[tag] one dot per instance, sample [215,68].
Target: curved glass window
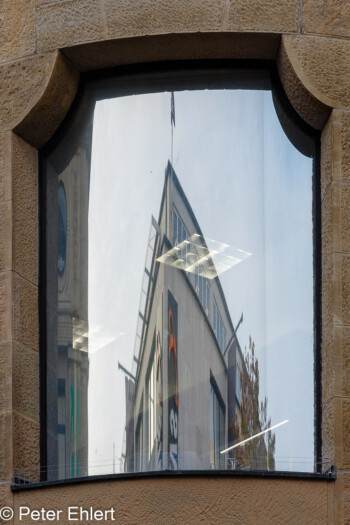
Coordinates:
[179,281]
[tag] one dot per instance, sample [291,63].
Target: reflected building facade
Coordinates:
[183,397]
[67,186]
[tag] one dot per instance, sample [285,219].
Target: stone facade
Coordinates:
[44,46]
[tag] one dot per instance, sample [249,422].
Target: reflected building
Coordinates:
[67,186]
[184,394]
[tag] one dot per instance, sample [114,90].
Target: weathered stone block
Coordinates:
[19,209]
[5,377]
[330,502]
[326,17]
[5,306]
[17,29]
[6,498]
[74,21]
[337,516]
[332,434]
[345,218]
[307,106]
[346,482]
[336,167]
[344,291]
[263,15]
[147,17]
[336,364]
[322,65]
[335,291]
[51,102]
[2,165]
[336,219]
[24,175]
[25,313]
[327,155]
[6,449]
[345,464]
[335,156]
[5,218]
[329,223]
[345,346]
[328,437]
[25,381]
[331,363]
[24,208]
[25,244]
[5,236]
[20,81]
[26,454]
[344,146]
[327,295]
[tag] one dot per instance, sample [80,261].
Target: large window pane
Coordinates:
[180,294]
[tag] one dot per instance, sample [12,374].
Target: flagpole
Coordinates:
[171,181]
[172,143]
[172,121]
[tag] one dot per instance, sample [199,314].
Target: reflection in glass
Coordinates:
[179,288]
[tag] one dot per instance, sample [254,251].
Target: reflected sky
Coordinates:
[249,188]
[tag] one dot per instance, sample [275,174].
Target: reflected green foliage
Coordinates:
[259,453]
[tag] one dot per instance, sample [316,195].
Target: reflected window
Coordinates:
[179,231]
[217,428]
[179,279]
[219,328]
[150,411]
[202,289]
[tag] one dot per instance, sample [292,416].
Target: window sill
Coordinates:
[328,476]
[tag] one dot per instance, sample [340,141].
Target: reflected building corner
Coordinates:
[184,395]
